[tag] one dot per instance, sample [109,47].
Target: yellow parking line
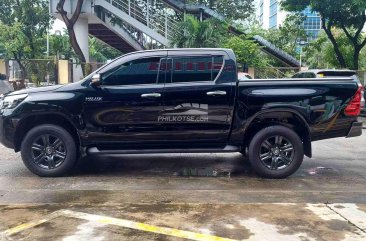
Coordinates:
[25,226]
[121,223]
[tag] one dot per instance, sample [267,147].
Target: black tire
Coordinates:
[266,156]
[64,155]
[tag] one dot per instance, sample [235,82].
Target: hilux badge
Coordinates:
[93,99]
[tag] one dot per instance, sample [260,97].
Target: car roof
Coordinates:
[317,71]
[185,50]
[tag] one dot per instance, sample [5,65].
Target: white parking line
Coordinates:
[352,213]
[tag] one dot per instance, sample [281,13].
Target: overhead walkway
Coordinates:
[130,25]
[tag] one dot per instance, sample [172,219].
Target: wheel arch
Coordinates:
[285,117]
[31,121]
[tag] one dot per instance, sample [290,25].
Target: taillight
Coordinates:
[354,106]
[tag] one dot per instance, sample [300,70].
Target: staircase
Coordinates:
[130,25]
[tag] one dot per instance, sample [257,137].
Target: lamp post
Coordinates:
[301,43]
[58,34]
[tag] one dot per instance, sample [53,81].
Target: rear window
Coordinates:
[350,74]
[303,75]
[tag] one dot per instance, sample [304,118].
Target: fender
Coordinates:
[27,122]
[306,138]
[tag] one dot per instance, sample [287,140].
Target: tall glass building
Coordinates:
[312,23]
[273,13]
[271,16]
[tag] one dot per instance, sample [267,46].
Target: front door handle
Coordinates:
[151,95]
[216,93]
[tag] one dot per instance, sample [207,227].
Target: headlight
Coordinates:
[12,101]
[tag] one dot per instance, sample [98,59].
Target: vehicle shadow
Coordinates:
[185,164]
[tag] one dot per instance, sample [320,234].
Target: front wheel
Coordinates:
[276,152]
[49,151]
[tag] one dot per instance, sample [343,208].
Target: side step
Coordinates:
[96,151]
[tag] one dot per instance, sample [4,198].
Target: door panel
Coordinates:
[131,99]
[198,99]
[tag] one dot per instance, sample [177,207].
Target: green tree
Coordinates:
[247,51]
[349,16]
[320,53]
[101,52]
[287,36]
[23,25]
[192,33]
[231,9]
[60,46]
[98,51]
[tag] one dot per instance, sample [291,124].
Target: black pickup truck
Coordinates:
[178,100]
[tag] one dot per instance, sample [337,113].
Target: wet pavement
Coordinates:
[188,197]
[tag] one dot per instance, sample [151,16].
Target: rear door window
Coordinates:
[196,68]
[309,75]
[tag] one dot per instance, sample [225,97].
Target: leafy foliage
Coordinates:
[247,51]
[19,45]
[349,16]
[320,53]
[191,33]
[60,46]
[101,52]
[287,36]
[25,21]
[98,51]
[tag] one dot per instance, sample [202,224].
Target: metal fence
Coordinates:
[275,73]
[40,72]
[36,71]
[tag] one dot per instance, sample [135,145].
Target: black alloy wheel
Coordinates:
[276,152]
[49,151]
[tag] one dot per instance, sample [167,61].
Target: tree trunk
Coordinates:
[339,55]
[75,45]
[356,58]
[21,84]
[70,22]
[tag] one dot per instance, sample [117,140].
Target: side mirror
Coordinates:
[95,80]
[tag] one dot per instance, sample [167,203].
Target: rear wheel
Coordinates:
[49,151]
[276,152]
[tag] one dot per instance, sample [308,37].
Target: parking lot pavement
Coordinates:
[363,119]
[188,197]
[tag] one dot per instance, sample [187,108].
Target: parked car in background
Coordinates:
[331,73]
[244,76]
[31,85]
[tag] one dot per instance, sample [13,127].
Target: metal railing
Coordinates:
[154,14]
[275,72]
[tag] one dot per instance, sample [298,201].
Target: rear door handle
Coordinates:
[151,95]
[216,93]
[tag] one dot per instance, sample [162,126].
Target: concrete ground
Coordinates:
[188,197]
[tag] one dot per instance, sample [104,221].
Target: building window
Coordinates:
[312,23]
[273,10]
